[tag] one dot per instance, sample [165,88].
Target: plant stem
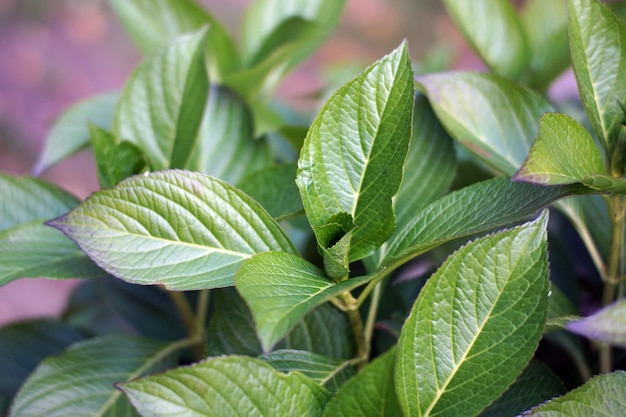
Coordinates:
[189,320]
[201,311]
[371,314]
[356,323]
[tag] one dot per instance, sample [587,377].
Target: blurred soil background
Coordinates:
[54,53]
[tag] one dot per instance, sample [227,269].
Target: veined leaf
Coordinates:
[563,153]
[607,325]
[231,386]
[80,381]
[70,133]
[226,147]
[330,373]
[495,118]
[281,288]
[535,385]
[604,395]
[597,39]
[177,228]
[475,324]
[473,209]
[115,161]
[352,158]
[163,103]
[494,32]
[370,394]
[23,199]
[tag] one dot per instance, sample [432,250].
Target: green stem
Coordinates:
[189,320]
[356,323]
[371,314]
[201,311]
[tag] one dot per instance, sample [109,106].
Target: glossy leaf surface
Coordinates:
[236,386]
[180,229]
[475,324]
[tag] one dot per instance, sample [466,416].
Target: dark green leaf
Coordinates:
[475,324]
[80,381]
[607,325]
[494,32]
[353,155]
[180,229]
[70,132]
[370,394]
[163,103]
[604,395]
[236,386]
[560,310]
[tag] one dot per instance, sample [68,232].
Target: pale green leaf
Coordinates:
[236,386]
[535,385]
[330,373]
[353,156]
[181,229]
[70,132]
[370,394]
[34,250]
[163,103]
[598,44]
[281,288]
[80,381]
[494,32]
[604,395]
[545,27]
[115,161]
[226,147]
[607,325]
[563,153]
[475,324]
[495,118]
[23,199]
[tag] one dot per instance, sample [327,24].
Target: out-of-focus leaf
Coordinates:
[607,325]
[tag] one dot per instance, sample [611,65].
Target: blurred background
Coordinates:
[55,53]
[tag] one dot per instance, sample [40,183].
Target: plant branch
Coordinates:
[356,323]
[189,319]
[371,314]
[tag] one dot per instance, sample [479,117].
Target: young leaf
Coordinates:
[281,288]
[163,103]
[230,386]
[180,229]
[535,385]
[370,394]
[115,161]
[494,32]
[80,381]
[70,132]
[352,158]
[563,153]
[25,199]
[495,118]
[475,324]
[607,325]
[226,147]
[597,40]
[330,373]
[604,395]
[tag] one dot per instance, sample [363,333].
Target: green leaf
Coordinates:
[281,288]
[181,229]
[234,386]
[534,386]
[163,103]
[352,158]
[495,118]
[494,32]
[225,146]
[25,199]
[560,310]
[371,393]
[80,381]
[475,324]
[597,40]
[606,183]
[115,161]
[545,27]
[275,188]
[473,209]
[563,153]
[602,395]
[70,132]
[330,373]
[606,325]
[23,345]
